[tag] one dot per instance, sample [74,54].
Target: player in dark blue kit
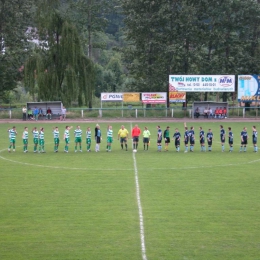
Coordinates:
[186,139]
[159,139]
[210,140]
[192,138]
[202,140]
[254,138]
[244,137]
[177,138]
[230,139]
[222,137]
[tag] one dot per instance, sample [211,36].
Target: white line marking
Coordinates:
[141,218]
[113,169]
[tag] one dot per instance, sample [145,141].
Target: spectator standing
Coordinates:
[63,113]
[36,113]
[40,112]
[24,113]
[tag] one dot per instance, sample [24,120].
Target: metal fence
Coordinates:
[74,113]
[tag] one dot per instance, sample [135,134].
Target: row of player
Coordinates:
[123,135]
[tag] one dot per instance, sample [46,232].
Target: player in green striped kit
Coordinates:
[12,136]
[25,140]
[67,138]
[56,136]
[41,140]
[109,138]
[35,133]
[78,138]
[88,139]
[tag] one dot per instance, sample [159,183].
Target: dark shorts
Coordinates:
[177,142]
[167,140]
[254,140]
[210,142]
[135,139]
[159,141]
[98,139]
[123,140]
[186,142]
[192,141]
[202,140]
[222,140]
[244,142]
[145,140]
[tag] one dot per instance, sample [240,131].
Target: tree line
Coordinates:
[76,49]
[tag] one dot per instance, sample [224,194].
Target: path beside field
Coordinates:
[129,120]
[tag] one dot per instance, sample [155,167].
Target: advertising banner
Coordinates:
[177,97]
[202,83]
[248,88]
[111,96]
[154,98]
[131,97]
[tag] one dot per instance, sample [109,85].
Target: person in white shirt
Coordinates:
[63,113]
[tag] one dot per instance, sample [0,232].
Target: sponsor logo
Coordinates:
[171,87]
[177,95]
[245,78]
[153,96]
[115,96]
[225,81]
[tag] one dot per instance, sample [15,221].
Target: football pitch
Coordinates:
[122,205]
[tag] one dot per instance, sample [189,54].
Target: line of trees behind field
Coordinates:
[72,50]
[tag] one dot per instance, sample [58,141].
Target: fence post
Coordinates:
[244,110]
[136,113]
[82,115]
[10,113]
[172,112]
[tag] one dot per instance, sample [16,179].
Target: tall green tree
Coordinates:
[189,37]
[15,17]
[58,69]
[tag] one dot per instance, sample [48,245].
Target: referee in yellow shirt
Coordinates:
[123,135]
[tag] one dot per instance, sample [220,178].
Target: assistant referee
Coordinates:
[123,135]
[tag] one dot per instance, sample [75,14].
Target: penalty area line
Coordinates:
[140,210]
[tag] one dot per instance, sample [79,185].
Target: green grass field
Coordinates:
[201,206]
